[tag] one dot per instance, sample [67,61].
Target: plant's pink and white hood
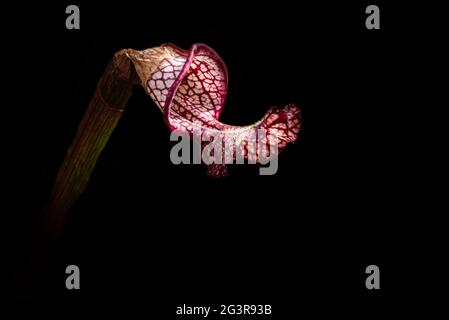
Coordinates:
[190,88]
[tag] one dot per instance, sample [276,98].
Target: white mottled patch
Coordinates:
[205,98]
[169,82]
[157,75]
[169,75]
[160,84]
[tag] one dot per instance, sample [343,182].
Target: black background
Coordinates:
[149,236]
